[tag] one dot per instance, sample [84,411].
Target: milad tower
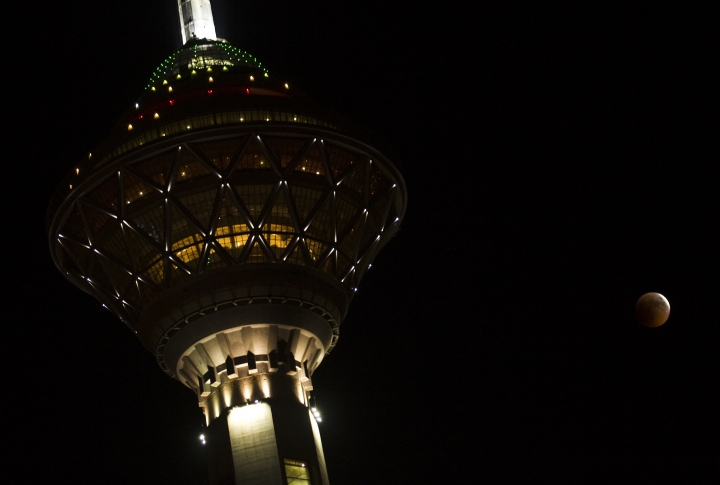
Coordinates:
[227,220]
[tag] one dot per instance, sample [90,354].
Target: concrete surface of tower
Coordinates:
[227,220]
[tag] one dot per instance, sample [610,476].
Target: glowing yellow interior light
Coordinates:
[266,74]
[286,86]
[169,89]
[179,76]
[225,68]
[209,69]
[156,116]
[164,81]
[193,72]
[129,127]
[141,192]
[153,88]
[89,156]
[188,127]
[77,171]
[210,79]
[70,186]
[252,78]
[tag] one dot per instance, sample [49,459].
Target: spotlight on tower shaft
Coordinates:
[230,233]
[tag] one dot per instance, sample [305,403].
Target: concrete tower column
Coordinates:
[268,441]
[250,362]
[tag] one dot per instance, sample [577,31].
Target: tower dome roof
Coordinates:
[201,54]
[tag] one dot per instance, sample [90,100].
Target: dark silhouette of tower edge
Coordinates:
[227,220]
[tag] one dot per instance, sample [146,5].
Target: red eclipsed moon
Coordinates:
[652,309]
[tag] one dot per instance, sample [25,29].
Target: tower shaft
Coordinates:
[268,441]
[252,378]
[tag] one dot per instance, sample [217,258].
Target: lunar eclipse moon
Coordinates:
[652,309]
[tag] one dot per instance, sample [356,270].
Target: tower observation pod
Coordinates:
[227,220]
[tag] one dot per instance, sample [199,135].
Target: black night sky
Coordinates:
[558,166]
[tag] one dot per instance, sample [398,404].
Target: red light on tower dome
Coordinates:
[209,91]
[247,90]
[172,102]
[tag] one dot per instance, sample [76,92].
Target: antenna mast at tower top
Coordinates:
[196,20]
